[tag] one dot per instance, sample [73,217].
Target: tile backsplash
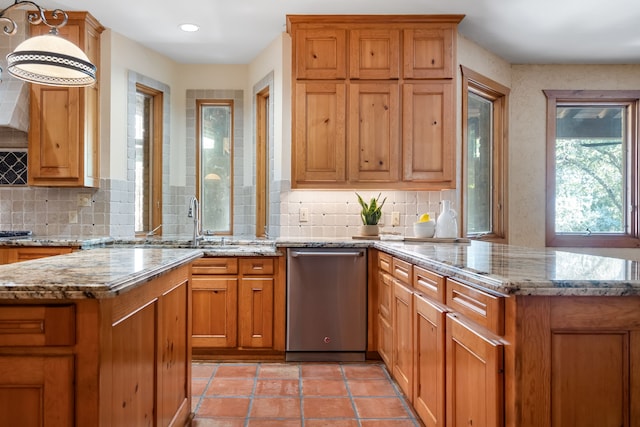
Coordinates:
[337,213]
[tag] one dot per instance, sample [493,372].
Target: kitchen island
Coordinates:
[97,338]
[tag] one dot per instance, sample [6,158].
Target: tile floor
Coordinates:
[297,395]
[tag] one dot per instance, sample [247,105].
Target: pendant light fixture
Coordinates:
[47,59]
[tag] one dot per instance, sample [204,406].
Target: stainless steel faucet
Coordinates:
[194,212]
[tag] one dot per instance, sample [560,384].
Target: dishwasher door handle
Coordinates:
[297,254]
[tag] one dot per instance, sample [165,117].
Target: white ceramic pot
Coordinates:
[424,229]
[369,230]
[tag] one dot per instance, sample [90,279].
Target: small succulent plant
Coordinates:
[372,212]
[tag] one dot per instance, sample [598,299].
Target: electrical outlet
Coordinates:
[395,218]
[84,199]
[304,215]
[73,217]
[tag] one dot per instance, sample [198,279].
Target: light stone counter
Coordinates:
[97,273]
[89,242]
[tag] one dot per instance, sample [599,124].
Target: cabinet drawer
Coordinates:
[402,271]
[262,266]
[429,283]
[482,307]
[384,262]
[215,265]
[22,325]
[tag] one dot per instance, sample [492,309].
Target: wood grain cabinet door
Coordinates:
[474,375]
[37,391]
[255,312]
[429,348]
[428,52]
[374,54]
[374,132]
[385,330]
[321,53]
[403,338]
[320,133]
[215,308]
[428,146]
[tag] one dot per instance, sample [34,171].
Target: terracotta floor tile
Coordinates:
[230,387]
[389,423]
[275,407]
[270,422]
[331,422]
[371,388]
[327,407]
[198,385]
[380,407]
[223,407]
[202,370]
[372,371]
[278,370]
[325,371]
[271,387]
[217,422]
[319,387]
[236,370]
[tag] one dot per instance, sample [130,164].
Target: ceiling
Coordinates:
[519,31]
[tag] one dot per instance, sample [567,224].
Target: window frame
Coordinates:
[156,141]
[215,102]
[476,83]
[632,185]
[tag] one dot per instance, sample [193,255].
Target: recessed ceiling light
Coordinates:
[189,28]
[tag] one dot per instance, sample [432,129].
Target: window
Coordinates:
[148,160]
[484,118]
[592,163]
[215,165]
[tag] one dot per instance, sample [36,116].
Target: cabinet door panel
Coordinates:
[429,345]
[474,365]
[320,139]
[596,399]
[215,302]
[403,338]
[374,54]
[374,132]
[385,342]
[321,53]
[256,313]
[36,391]
[428,145]
[428,53]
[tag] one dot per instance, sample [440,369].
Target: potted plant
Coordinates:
[370,215]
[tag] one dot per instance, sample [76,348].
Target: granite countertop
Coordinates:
[88,242]
[98,273]
[514,270]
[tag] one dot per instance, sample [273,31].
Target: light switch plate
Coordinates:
[395,218]
[304,215]
[73,217]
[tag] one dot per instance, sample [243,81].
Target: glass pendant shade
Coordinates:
[51,60]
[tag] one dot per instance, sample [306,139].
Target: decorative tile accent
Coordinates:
[13,168]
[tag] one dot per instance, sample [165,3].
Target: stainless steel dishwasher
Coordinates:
[326,304]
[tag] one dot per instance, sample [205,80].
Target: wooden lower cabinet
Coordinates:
[26,253]
[238,306]
[36,390]
[403,338]
[121,361]
[429,367]
[474,389]
[385,328]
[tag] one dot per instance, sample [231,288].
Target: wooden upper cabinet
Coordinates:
[428,143]
[374,54]
[320,147]
[374,132]
[428,53]
[64,122]
[321,54]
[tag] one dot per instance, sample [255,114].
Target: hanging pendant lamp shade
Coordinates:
[51,60]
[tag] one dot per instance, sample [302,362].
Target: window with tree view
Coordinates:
[592,167]
[215,165]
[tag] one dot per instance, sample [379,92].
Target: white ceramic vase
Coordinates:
[369,230]
[447,224]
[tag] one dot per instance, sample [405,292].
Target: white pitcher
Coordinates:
[447,224]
